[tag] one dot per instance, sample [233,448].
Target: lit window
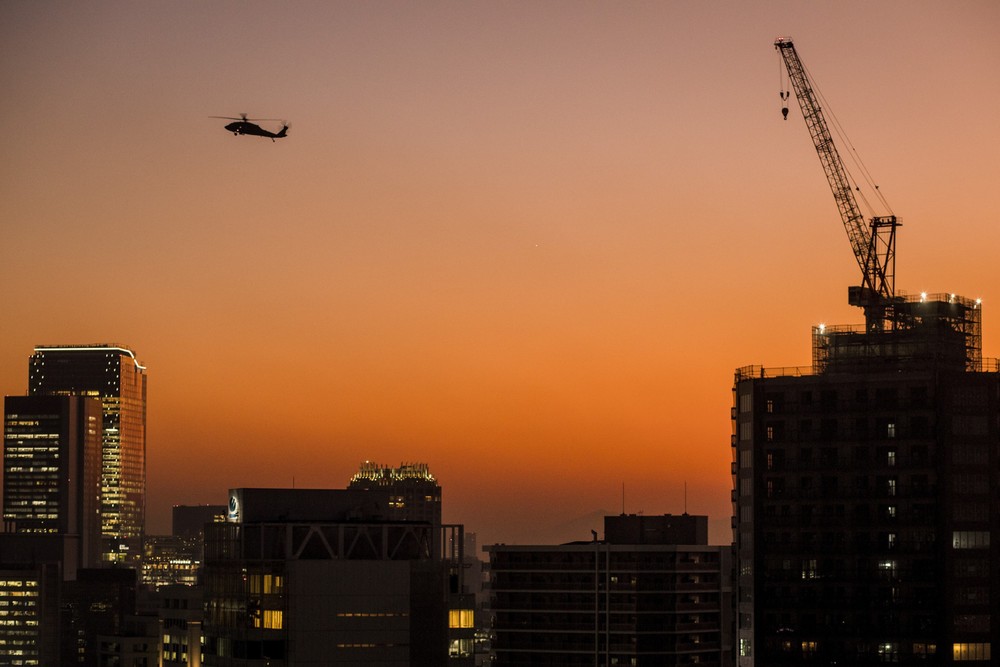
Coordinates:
[971,651]
[273,619]
[970,539]
[460,648]
[888,652]
[461,618]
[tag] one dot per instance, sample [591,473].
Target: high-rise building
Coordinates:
[114,375]
[51,469]
[652,592]
[415,494]
[29,614]
[866,519]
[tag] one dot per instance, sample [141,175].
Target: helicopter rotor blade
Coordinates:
[243,117]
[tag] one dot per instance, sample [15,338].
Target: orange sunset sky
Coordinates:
[524,242]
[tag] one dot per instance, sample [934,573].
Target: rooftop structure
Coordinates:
[414,493]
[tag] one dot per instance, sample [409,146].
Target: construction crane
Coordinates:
[873,241]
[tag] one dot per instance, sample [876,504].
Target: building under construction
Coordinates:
[866,487]
[937,329]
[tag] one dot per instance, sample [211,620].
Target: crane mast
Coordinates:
[874,241]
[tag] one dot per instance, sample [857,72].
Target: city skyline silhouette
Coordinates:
[527,245]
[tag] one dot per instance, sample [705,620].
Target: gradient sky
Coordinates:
[526,243]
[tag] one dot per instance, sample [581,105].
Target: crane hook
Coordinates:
[784,107]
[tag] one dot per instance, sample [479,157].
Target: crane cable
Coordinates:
[783,91]
[852,153]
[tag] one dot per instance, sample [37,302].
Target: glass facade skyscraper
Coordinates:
[114,375]
[51,469]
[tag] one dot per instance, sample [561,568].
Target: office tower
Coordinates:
[416,495]
[51,469]
[652,592]
[113,375]
[865,495]
[29,615]
[316,576]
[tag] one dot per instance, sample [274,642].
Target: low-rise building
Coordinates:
[652,592]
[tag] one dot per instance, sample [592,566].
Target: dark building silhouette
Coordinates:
[113,375]
[98,602]
[190,520]
[415,495]
[310,576]
[135,644]
[865,495]
[638,597]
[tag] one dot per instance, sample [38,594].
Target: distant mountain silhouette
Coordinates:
[571,530]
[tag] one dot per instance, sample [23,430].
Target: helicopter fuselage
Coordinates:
[243,127]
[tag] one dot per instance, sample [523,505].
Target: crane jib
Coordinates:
[873,243]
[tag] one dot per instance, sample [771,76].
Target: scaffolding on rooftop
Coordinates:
[941,331]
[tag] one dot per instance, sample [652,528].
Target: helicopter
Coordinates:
[244,126]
